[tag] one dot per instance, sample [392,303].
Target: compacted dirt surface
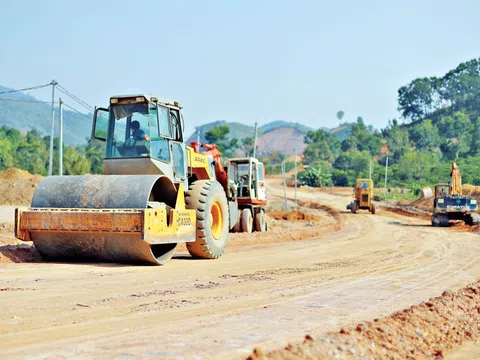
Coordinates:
[310,288]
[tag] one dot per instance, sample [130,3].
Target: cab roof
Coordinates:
[149,98]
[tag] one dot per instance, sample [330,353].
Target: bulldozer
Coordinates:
[363,197]
[155,192]
[449,203]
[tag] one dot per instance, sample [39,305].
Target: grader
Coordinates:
[363,197]
[156,192]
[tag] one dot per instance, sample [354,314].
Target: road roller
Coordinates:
[155,193]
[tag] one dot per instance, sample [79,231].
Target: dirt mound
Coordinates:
[294,215]
[470,190]
[423,204]
[430,329]
[15,174]
[19,254]
[17,186]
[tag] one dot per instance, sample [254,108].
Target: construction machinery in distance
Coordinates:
[363,197]
[156,192]
[450,204]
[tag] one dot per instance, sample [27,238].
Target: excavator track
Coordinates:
[120,218]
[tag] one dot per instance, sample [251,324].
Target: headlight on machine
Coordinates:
[473,202]
[441,201]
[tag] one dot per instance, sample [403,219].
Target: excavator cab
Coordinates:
[247,177]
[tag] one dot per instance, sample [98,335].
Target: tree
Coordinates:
[74,162]
[340,115]
[94,152]
[276,157]
[219,135]
[425,135]
[415,166]
[322,146]
[457,133]
[247,146]
[397,139]
[419,98]
[460,87]
[360,120]
[366,140]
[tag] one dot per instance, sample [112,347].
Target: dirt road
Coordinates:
[256,295]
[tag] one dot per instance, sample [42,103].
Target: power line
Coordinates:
[76,98]
[71,108]
[29,88]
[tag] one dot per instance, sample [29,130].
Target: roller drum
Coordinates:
[109,192]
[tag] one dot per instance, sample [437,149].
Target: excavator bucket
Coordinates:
[119,218]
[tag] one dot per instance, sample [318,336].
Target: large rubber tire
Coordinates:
[260,221]
[373,209]
[247,221]
[208,199]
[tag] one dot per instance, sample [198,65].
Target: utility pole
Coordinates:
[50,162]
[386,175]
[60,138]
[198,137]
[255,141]
[284,185]
[320,175]
[295,156]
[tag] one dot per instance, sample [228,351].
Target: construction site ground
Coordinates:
[321,271]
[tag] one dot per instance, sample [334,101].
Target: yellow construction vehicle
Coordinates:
[155,193]
[363,197]
[450,204]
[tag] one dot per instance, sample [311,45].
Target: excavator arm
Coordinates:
[455,180]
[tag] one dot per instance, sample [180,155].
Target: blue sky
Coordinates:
[242,61]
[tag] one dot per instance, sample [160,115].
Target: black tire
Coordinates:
[207,198]
[247,221]
[373,210]
[354,208]
[260,221]
[468,219]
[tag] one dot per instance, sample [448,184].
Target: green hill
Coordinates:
[24,115]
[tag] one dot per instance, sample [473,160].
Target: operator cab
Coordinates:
[145,127]
[248,175]
[442,190]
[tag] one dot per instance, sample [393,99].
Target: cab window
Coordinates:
[261,173]
[178,160]
[175,124]
[164,122]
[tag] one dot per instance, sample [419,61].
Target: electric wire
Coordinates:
[72,108]
[76,98]
[25,89]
